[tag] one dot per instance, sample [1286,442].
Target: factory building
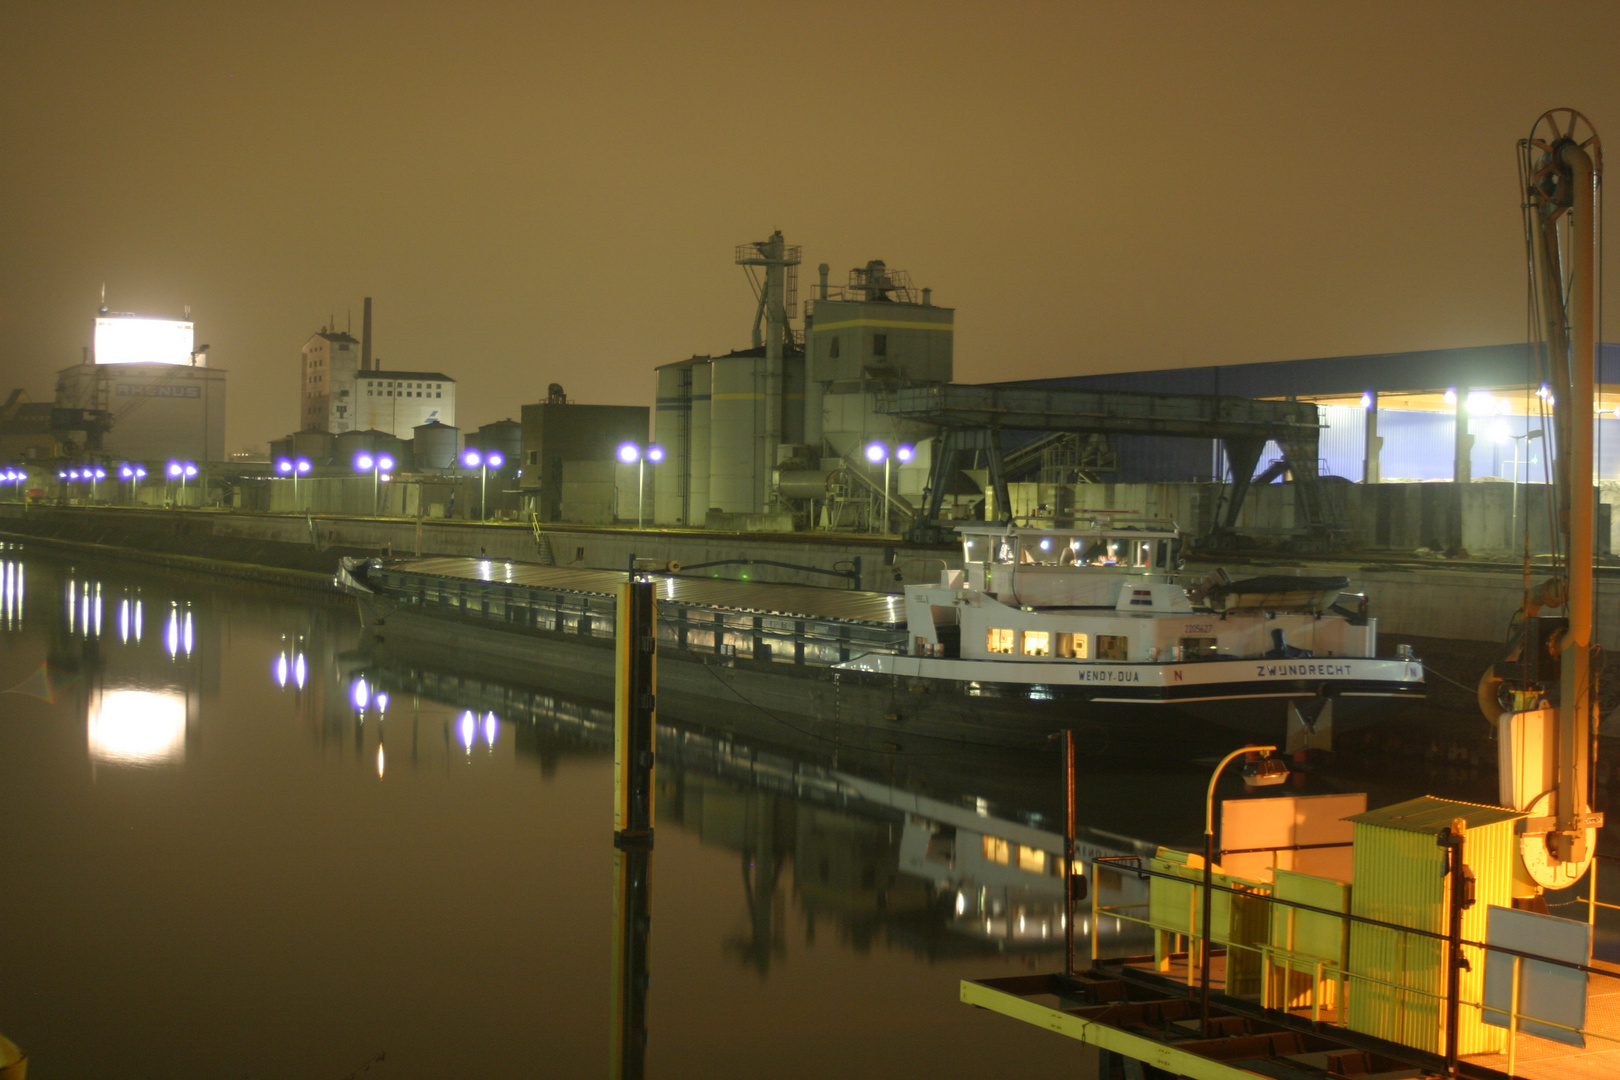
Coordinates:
[570,470]
[774,437]
[1461,414]
[145,392]
[343,389]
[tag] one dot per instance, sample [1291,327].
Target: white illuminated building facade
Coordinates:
[400,401]
[341,391]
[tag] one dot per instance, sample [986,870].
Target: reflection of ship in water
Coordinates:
[941,855]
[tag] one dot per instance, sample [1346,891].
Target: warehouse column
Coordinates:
[1371,473]
[1462,473]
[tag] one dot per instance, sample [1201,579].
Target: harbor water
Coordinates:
[241,838]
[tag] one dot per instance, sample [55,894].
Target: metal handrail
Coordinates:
[1344,977]
[1144,872]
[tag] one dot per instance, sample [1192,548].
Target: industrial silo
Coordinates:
[436,446]
[506,438]
[697,491]
[350,444]
[733,402]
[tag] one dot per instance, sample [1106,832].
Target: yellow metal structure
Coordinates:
[1397,980]
[1176,909]
[998,996]
[13,1062]
[1309,950]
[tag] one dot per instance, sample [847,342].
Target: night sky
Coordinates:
[540,193]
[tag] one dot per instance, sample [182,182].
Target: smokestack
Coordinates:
[823,270]
[365,337]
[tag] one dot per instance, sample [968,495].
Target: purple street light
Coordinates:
[182,471]
[376,465]
[877,452]
[630,453]
[471,458]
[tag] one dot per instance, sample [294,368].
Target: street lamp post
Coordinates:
[472,459]
[1263,773]
[182,471]
[633,454]
[378,466]
[294,467]
[131,475]
[95,474]
[879,452]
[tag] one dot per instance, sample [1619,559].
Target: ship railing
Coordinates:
[1279,965]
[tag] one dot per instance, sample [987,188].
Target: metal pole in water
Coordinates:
[634,732]
[634,714]
[1068,856]
[632,931]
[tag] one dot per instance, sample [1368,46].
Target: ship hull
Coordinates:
[862,708]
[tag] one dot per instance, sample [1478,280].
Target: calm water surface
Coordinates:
[240,841]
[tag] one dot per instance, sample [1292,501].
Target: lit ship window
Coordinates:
[1037,643]
[999,641]
[1071,646]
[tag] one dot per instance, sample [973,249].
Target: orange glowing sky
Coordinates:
[540,193]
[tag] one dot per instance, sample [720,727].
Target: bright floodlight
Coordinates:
[174,469]
[128,340]
[140,472]
[629,453]
[904,452]
[655,454]
[101,474]
[363,462]
[1266,772]
[471,458]
[73,474]
[384,462]
[302,465]
[284,466]
[876,452]
[495,460]
[126,473]
[190,469]
[61,475]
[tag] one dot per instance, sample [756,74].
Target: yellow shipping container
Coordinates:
[1397,985]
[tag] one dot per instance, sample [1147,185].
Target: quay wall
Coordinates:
[1472,603]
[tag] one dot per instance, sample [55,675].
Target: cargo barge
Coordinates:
[1045,628]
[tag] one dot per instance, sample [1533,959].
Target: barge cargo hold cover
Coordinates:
[756,621]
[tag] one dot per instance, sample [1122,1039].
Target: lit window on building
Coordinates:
[997,850]
[1031,859]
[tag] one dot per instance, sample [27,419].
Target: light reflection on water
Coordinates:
[129,726]
[12,574]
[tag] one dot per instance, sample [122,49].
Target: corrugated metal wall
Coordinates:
[1399,880]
